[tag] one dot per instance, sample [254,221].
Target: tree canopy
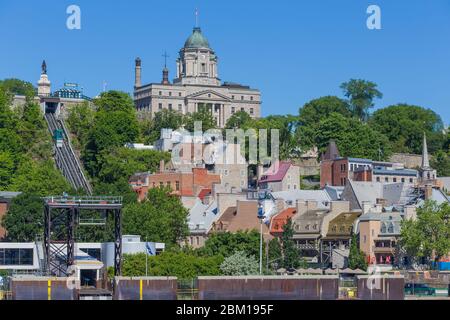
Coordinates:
[361,94]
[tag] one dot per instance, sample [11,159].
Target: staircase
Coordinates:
[65,158]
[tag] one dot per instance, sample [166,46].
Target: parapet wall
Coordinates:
[145,288]
[269,288]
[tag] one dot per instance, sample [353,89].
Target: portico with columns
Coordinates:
[197,84]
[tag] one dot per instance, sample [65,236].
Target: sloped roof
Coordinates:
[371,191]
[332,151]
[321,196]
[201,216]
[277,176]
[280,219]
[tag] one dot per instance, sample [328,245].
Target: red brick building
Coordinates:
[182,183]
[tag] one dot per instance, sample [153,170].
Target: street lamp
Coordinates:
[261,217]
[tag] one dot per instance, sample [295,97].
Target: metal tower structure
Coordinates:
[62,215]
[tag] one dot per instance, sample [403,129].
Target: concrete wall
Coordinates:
[268,288]
[42,288]
[381,287]
[145,288]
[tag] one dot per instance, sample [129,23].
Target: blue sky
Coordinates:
[293,51]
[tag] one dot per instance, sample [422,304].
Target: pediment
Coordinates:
[208,95]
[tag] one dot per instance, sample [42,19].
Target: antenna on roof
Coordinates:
[165,55]
[196,18]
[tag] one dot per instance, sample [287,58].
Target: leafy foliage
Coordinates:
[164,119]
[24,220]
[239,264]
[161,218]
[404,126]
[17,87]
[291,257]
[361,94]
[179,264]
[356,259]
[428,236]
[226,244]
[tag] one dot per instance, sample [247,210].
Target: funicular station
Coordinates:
[62,216]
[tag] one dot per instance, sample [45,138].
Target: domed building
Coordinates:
[197,85]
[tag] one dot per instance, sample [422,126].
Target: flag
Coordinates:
[149,249]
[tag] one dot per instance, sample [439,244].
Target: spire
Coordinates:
[165,79]
[196,18]
[425,158]
[44,67]
[332,152]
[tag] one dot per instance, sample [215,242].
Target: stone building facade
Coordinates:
[196,86]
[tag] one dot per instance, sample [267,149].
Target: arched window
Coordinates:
[383,228]
[391,228]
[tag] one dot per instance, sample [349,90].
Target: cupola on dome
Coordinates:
[196,40]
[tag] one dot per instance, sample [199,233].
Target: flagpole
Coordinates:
[146,258]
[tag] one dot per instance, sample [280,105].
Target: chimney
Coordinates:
[382,202]
[301,207]
[137,73]
[366,206]
[410,212]
[428,192]
[162,166]
[340,206]
[311,205]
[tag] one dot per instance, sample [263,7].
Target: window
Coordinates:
[203,67]
[232,97]
[403,180]
[252,111]
[233,109]
[170,106]
[365,238]
[170,93]
[160,106]
[411,180]
[160,93]
[161,184]
[16,257]
[395,179]
[289,187]
[242,109]
[295,187]
[378,179]
[168,184]
[177,185]
[180,107]
[386,179]
[242,97]
[251,98]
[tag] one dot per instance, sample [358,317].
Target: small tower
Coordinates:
[165,79]
[44,85]
[428,175]
[137,73]
[165,73]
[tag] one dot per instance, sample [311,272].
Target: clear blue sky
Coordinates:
[293,51]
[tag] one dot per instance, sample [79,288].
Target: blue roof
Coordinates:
[398,172]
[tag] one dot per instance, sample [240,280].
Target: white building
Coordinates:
[197,85]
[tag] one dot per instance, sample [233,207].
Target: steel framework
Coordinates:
[67,211]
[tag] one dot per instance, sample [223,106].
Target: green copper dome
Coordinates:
[196,40]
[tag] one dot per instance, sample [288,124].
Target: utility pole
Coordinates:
[260,217]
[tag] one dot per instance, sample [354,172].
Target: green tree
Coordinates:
[404,125]
[161,218]
[115,124]
[238,120]
[315,110]
[291,255]
[353,137]
[356,259]
[18,87]
[7,167]
[80,120]
[239,264]
[203,115]
[164,119]
[176,264]
[39,178]
[121,163]
[441,162]
[24,220]
[275,252]
[226,244]
[361,94]
[428,236]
